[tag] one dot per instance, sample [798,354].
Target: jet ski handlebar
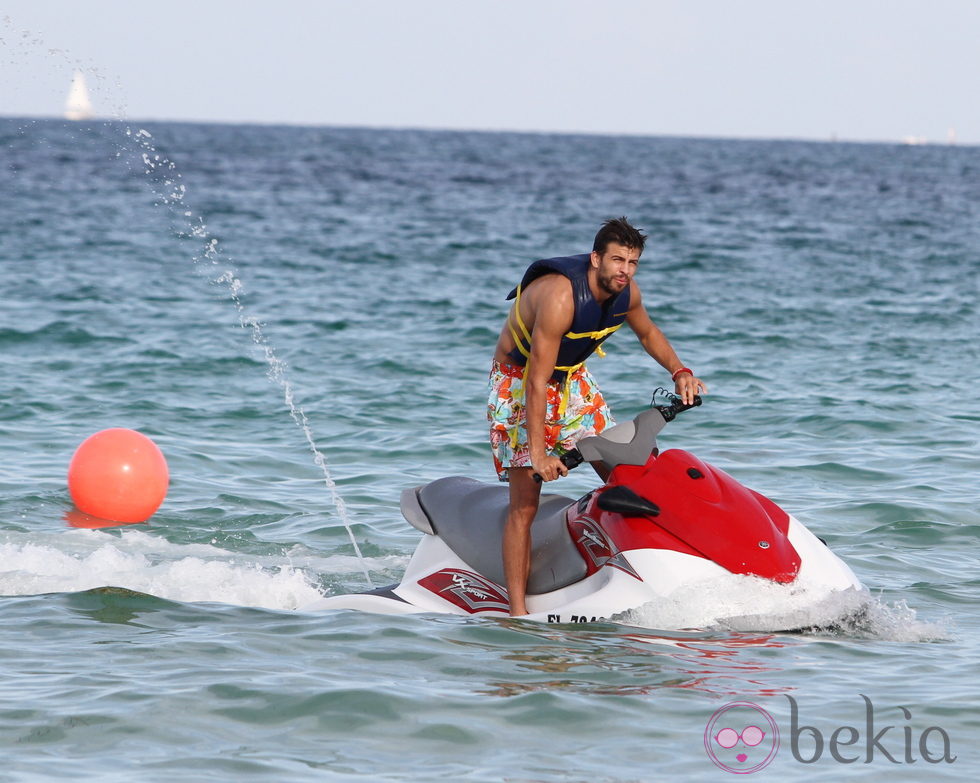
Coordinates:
[671,410]
[630,443]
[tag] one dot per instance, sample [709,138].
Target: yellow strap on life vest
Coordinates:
[525,352]
[594,335]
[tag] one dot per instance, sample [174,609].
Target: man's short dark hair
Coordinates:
[620,231]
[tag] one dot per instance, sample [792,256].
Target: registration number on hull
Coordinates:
[575,618]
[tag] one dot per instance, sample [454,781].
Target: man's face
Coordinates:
[615,267]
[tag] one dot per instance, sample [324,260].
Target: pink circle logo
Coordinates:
[741,738]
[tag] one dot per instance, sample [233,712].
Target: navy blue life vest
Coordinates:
[592,323]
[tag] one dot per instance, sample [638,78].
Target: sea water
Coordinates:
[827,293]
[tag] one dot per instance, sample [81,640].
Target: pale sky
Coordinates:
[851,69]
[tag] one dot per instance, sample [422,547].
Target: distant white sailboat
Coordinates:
[79,105]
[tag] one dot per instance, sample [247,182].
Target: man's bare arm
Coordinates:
[554,310]
[656,344]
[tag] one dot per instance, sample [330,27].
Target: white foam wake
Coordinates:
[78,560]
[744,603]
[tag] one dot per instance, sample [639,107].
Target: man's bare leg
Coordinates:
[525,494]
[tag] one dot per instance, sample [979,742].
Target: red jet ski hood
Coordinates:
[712,513]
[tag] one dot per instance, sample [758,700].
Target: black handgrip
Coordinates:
[670,411]
[571,459]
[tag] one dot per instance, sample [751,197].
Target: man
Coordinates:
[542,398]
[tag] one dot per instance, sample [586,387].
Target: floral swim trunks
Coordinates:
[585,413]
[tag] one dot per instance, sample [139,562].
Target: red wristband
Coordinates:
[688,370]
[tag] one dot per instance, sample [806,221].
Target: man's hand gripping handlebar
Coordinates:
[573,458]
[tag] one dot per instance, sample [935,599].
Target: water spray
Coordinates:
[164,179]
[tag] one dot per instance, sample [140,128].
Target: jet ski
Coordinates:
[660,527]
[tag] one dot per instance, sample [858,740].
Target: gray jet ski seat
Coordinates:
[469,515]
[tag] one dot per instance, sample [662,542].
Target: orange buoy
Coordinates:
[118,474]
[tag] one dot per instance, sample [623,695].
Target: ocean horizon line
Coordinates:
[831,139]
